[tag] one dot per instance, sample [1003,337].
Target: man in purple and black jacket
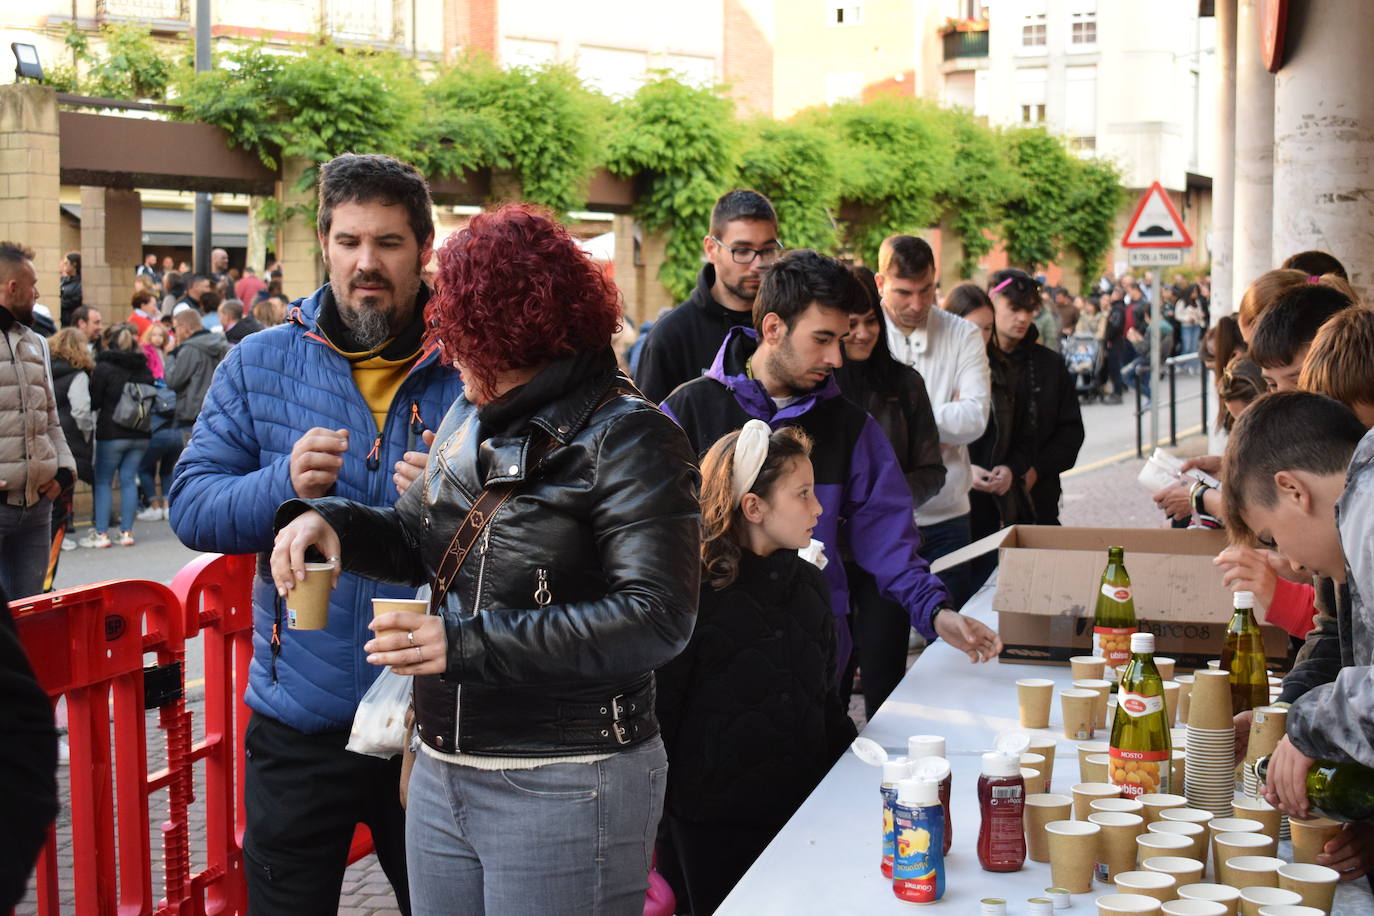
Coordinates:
[780,371]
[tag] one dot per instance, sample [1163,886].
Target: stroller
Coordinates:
[1083,355]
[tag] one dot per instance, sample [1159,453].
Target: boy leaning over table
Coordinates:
[1300,480]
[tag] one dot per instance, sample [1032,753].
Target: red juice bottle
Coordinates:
[1001,801]
[920,747]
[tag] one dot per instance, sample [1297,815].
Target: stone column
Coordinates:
[299,252]
[636,276]
[111,247]
[1324,137]
[1224,294]
[1254,201]
[29,168]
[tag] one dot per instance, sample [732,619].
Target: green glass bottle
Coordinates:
[1140,747]
[1243,656]
[1340,791]
[1114,618]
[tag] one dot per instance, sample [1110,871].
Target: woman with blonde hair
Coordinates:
[156,341]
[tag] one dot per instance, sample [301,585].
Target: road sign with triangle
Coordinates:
[1156,223]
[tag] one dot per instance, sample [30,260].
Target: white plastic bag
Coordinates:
[379,726]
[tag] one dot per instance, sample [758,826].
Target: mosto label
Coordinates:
[1118,593]
[1137,705]
[1114,644]
[1139,772]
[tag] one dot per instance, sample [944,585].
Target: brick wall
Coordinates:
[748,61]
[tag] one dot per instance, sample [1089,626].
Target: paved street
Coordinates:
[1101,492]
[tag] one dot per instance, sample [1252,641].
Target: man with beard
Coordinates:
[742,243]
[780,371]
[324,404]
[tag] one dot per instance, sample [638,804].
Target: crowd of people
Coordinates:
[650,598]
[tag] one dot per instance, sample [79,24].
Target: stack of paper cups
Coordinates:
[1209,780]
[1266,728]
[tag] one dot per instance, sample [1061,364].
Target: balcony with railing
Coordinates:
[965,43]
[145,10]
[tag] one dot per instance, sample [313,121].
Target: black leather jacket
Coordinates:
[608,525]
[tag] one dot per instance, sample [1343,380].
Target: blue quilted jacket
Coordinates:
[269,390]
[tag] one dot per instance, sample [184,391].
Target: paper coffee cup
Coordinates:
[1156,803]
[1103,689]
[1195,834]
[1228,846]
[1087,666]
[1257,899]
[1086,749]
[1171,689]
[1039,811]
[1096,768]
[1182,869]
[1085,792]
[1045,747]
[1217,893]
[307,605]
[1148,845]
[1182,907]
[1185,695]
[1150,883]
[1255,871]
[1073,852]
[382,606]
[1080,712]
[1127,905]
[1210,702]
[1310,837]
[1035,696]
[1316,884]
[1116,851]
[1165,666]
[1034,780]
[1267,724]
[1257,809]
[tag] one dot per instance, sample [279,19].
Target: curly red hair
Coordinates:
[513,290]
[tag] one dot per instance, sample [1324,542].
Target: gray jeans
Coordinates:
[566,838]
[25,539]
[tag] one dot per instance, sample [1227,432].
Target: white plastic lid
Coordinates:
[1142,643]
[918,793]
[896,770]
[932,768]
[995,764]
[918,746]
[1012,743]
[1243,599]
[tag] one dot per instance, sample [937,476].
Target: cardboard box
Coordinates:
[1048,578]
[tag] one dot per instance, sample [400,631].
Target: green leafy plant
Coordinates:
[134,65]
[1095,199]
[794,166]
[1036,215]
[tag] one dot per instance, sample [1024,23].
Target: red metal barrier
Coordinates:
[88,644]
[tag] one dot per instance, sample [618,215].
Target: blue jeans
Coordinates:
[25,539]
[1137,372]
[1192,333]
[122,455]
[564,838]
[164,448]
[947,537]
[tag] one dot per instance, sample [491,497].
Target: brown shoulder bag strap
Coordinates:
[489,501]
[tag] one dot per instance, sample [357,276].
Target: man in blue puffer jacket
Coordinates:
[326,404]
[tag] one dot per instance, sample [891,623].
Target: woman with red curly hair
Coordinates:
[557,521]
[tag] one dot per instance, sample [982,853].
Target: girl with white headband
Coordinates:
[750,711]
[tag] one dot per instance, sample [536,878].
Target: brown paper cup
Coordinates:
[1210,703]
[1127,905]
[382,606]
[1165,666]
[1046,748]
[1096,768]
[1116,852]
[1218,893]
[1039,811]
[1152,884]
[1085,792]
[307,605]
[1182,869]
[1035,696]
[1185,695]
[1156,803]
[1120,805]
[1227,846]
[1086,749]
[1171,689]
[1193,908]
[1178,770]
[1148,845]
[1310,836]
[1257,899]
[1103,689]
[1087,666]
[1073,852]
[1196,834]
[1257,809]
[1255,871]
[1080,712]
[1316,884]
[1267,725]
[1034,780]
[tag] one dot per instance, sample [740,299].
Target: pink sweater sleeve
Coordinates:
[1292,609]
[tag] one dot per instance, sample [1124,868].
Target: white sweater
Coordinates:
[951,357]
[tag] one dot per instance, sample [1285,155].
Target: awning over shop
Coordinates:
[173,228]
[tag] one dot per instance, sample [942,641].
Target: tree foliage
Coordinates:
[841,178]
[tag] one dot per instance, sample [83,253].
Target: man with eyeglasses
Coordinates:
[742,243]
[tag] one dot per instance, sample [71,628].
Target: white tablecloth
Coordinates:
[825,861]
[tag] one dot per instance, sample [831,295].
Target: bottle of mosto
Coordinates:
[1340,791]
[1114,619]
[1243,656]
[1140,748]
